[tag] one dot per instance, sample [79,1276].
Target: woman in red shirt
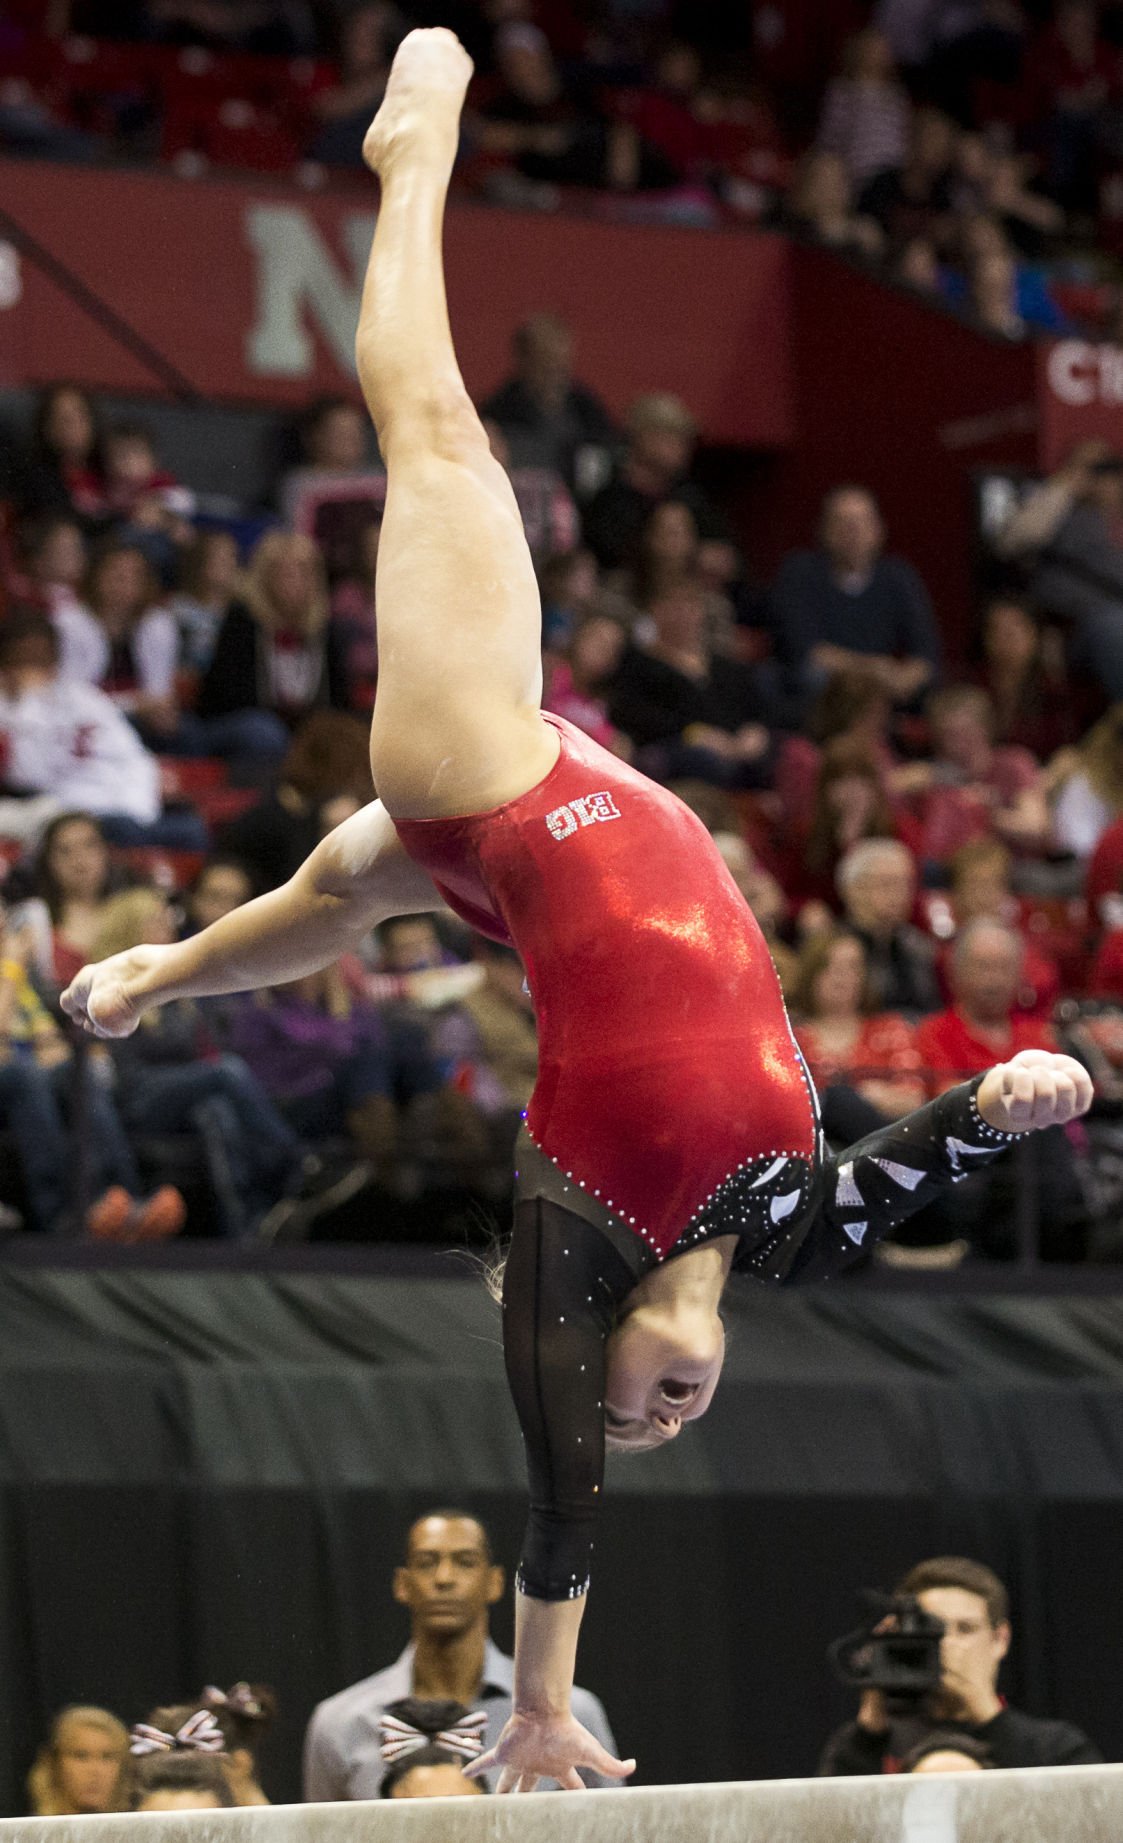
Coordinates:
[842,1039]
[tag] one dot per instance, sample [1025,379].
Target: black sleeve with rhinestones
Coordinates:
[892,1174]
[563,1284]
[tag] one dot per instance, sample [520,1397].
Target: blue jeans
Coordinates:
[178,830]
[32,1104]
[251,1151]
[240,735]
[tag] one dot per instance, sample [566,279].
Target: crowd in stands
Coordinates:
[410,1729]
[973,153]
[933,848]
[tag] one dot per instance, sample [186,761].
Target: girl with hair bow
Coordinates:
[425,1746]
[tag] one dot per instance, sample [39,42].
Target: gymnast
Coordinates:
[673,1133]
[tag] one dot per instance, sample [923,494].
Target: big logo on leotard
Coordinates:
[587,810]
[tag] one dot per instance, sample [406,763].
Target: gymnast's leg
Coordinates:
[456,725]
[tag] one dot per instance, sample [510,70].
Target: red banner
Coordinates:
[1080,395]
[251,292]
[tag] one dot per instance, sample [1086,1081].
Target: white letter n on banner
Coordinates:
[297,279]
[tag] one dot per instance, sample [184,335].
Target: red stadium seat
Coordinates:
[184,777]
[168,870]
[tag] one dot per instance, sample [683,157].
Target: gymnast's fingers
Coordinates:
[572,1781]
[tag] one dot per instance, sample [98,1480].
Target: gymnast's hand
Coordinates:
[533,1747]
[108,999]
[1033,1090]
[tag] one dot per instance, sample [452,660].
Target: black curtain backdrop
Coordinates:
[207,1476]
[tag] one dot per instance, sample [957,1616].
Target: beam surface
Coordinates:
[1074,1804]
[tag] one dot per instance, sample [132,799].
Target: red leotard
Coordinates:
[666,1062]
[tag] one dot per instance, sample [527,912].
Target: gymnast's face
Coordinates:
[663,1367]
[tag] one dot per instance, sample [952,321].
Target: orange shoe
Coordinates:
[108,1219]
[162,1215]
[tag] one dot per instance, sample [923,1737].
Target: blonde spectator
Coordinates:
[82,1767]
[277,654]
[1091,796]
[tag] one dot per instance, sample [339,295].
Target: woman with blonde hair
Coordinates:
[278,652]
[1091,794]
[81,1767]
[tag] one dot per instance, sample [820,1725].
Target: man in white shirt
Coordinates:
[449,1583]
[67,745]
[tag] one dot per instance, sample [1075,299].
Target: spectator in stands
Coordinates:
[324,777]
[571,588]
[947,1751]
[1022,300]
[912,199]
[865,117]
[1033,702]
[122,639]
[545,503]
[552,132]
[170,1080]
[68,741]
[55,559]
[62,471]
[981,1026]
[82,1767]
[74,878]
[489,1039]
[852,711]
[39,1091]
[449,1583]
[277,653]
[973,789]
[669,555]
[846,605]
[694,712]
[1067,531]
[368,38]
[355,616]
[992,295]
[918,267]
[765,898]
[335,432]
[578,685]
[974,1607]
[150,502]
[855,1052]
[209,580]
[245,1713]
[1073,72]
[431,1770]
[877,883]
[221,885]
[335,1065]
[547,415]
[849,803]
[981,891]
[655,466]
[1090,798]
[820,204]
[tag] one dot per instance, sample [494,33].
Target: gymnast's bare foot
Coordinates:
[424,96]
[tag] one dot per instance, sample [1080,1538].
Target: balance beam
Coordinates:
[1071,1804]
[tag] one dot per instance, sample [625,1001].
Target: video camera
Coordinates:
[902,1662]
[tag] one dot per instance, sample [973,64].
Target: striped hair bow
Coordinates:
[240,1700]
[465,1737]
[201,1734]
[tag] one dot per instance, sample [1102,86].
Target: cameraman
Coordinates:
[974,1608]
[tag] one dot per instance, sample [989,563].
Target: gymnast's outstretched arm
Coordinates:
[356,877]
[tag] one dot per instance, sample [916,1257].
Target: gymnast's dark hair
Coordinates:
[428,1717]
[181,1772]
